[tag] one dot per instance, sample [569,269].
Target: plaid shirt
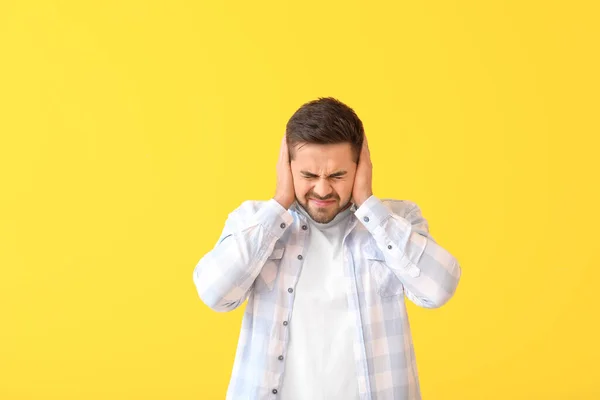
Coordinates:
[388,254]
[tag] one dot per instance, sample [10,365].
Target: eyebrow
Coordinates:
[334,175]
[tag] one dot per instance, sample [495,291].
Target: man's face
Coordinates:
[323,172]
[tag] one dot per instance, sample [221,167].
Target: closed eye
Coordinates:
[336,175]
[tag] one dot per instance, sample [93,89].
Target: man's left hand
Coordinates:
[363,187]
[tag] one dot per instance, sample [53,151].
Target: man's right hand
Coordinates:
[284,193]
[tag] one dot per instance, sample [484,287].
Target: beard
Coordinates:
[326,213]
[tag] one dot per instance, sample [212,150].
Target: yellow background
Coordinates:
[129,130]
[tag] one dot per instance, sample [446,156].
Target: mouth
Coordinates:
[322,203]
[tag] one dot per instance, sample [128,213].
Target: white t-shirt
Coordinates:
[320,364]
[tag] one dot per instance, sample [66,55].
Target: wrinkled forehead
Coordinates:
[322,158]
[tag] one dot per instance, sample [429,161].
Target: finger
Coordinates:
[282,149]
[365,148]
[362,153]
[286,152]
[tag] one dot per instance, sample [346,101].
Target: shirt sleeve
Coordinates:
[224,276]
[428,272]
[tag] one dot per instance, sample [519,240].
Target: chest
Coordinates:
[348,262]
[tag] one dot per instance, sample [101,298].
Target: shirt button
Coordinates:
[389,246]
[274,391]
[299,256]
[280,358]
[290,290]
[282,225]
[414,272]
[304,227]
[366,219]
[285,323]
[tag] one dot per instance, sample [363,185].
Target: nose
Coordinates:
[322,188]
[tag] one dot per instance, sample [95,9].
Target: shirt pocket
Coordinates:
[387,284]
[266,279]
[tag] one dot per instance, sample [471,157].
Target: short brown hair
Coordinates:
[325,121]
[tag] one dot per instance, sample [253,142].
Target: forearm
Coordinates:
[224,276]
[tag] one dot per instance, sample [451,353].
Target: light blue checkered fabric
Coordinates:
[389,255]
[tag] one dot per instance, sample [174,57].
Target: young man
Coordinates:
[325,266]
